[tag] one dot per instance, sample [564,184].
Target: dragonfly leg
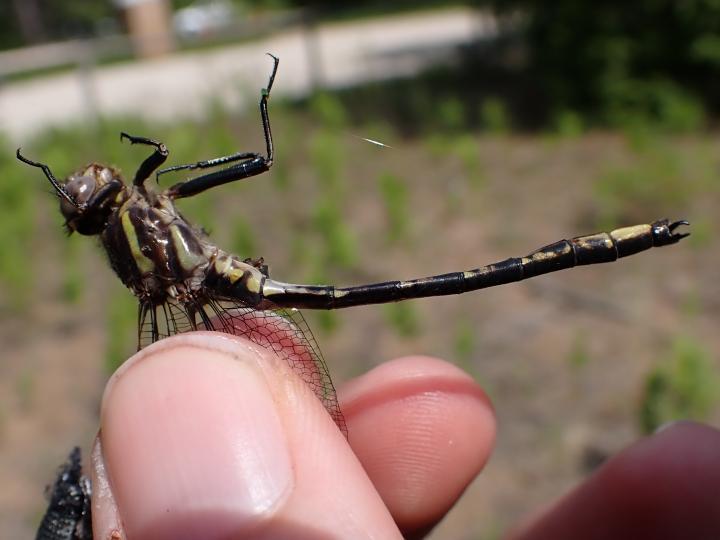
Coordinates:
[258,263]
[50,176]
[152,162]
[251,163]
[209,163]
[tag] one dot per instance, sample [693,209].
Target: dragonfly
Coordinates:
[184,282]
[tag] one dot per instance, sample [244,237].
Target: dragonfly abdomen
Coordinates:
[582,250]
[227,276]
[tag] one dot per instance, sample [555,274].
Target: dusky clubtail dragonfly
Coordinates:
[184,282]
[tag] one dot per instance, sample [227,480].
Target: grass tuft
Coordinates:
[685,387]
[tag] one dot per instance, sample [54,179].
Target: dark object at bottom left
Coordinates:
[68,514]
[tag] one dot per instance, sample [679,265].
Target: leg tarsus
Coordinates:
[152,162]
[265,95]
[140,140]
[271,80]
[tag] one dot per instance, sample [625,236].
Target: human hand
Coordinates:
[663,487]
[208,436]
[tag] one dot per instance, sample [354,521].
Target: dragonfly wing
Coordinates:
[283,331]
[158,321]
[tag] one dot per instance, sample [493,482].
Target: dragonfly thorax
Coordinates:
[153,249]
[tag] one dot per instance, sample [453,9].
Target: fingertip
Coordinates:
[423,429]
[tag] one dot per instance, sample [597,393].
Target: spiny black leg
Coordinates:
[243,170]
[209,163]
[253,165]
[156,159]
[50,176]
[265,95]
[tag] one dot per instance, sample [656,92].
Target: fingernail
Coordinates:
[192,441]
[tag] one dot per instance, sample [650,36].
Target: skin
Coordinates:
[205,435]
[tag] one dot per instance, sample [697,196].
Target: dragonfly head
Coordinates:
[87,197]
[90,193]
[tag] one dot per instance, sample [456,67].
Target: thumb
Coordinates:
[208,436]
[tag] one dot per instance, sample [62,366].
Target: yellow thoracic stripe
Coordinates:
[188,259]
[143,263]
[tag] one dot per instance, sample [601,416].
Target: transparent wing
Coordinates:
[284,331]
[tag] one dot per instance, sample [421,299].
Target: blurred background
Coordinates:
[507,125]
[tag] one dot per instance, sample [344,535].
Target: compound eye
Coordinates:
[81,188]
[105,175]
